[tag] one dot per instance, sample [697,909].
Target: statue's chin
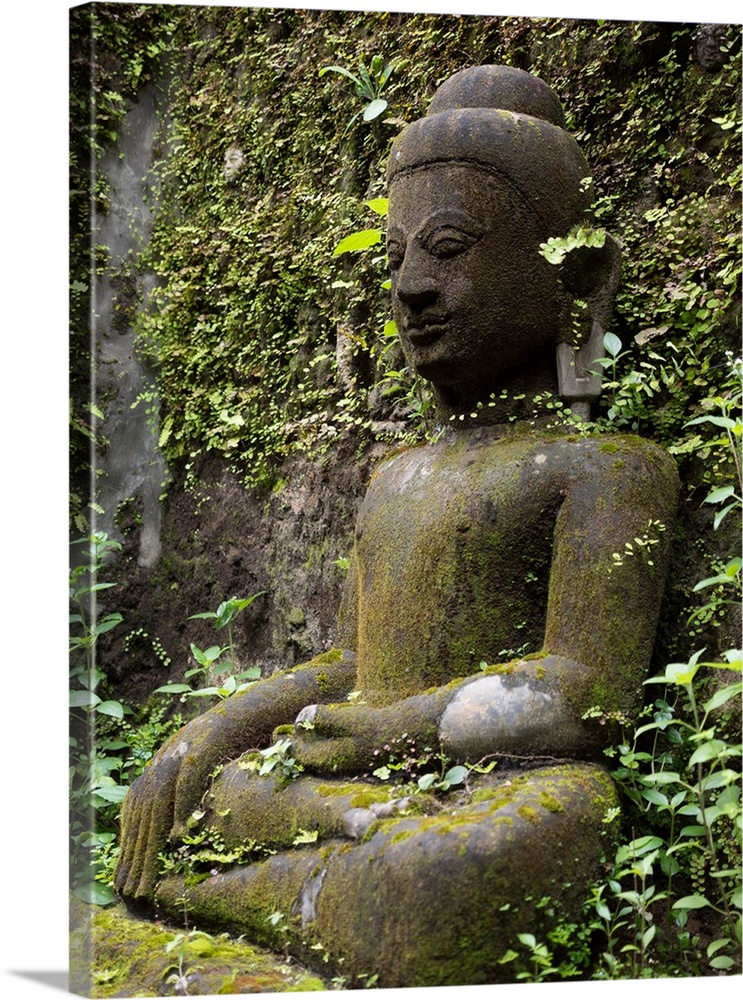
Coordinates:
[438,361]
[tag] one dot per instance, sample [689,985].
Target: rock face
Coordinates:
[486,614]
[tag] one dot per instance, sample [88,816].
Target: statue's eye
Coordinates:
[395,255]
[450,243]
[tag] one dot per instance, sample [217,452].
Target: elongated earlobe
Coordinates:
[578,377]
[590,274]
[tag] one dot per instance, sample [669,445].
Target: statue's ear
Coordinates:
[591,272]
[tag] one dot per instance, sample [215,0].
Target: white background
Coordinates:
[33,392]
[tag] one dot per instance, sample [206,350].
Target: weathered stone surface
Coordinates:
[426,901]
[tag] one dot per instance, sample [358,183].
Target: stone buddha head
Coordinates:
[475,187]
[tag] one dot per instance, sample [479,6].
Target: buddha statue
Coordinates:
[485,618]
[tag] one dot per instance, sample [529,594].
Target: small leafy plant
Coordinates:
[409,765]
[210,661]
[277,759]
[96,789]
[368,85]
[557,248]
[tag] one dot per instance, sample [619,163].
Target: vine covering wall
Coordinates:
[272,356]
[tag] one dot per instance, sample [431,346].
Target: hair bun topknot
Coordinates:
[504,88]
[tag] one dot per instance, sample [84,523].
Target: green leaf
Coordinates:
[374,109]
[722,962]
[361,240]
[107,623]
[251,674]
[711,750]
[690,903]
[612,344]
[379,205]
[718,779]
[715,946]
[725,422]
[662,778]
[720,515]
[95,893]
[83,699]
[509,956]
[172,689]
[639,846]
[722,696]
[456,775]
[278,748]
[205,656]
[305,837]
[113,708]
[116,793]
[655,797]
[339,69]
[717,496]
[425,781]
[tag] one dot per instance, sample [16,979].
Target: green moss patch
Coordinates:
[114,954]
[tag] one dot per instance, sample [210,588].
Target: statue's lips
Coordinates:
[423,334]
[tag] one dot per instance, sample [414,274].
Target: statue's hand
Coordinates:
[161,800]
[346,738]
[521,712]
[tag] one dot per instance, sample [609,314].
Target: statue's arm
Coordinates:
[602,612]
[605,597]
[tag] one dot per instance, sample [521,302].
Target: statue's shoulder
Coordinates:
[623,470]
[622,451]
[562,452]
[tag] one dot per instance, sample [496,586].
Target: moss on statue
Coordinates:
[454,874]
[124,956]
[497,503]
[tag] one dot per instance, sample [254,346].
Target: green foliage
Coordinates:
[277,760]
[95,788]
[369,84]
[556,249]
[110,743]
[407,765]
[210,662]
[201,853]
[687,788]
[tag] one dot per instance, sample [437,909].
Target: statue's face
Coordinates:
[473,299]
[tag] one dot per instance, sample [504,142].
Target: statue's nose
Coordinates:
[416,291]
